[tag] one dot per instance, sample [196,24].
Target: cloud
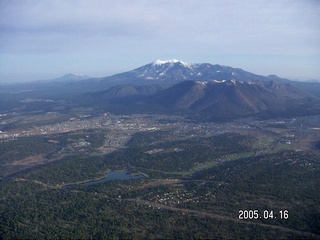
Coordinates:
[48,22]
[145,29]
[254,23]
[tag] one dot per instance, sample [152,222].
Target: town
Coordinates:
[287,131]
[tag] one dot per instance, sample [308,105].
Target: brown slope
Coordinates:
[232,97]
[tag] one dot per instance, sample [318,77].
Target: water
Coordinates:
[113,175]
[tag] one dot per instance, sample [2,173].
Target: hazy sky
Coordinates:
[43,39]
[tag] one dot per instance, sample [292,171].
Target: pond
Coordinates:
[113,175]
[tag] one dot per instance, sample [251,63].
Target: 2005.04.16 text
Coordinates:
[266,214]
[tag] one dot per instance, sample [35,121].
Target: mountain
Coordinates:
[203,88]
[313,80]
[161,72]
[129,90]
[234,98]
[174,71]
[214,99]
[71,77]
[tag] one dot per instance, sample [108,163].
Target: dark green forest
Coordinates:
[193,188]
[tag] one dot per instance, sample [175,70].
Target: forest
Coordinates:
[193,188]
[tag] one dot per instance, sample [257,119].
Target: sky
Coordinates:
[44,39]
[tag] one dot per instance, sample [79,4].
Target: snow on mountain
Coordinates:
[160,62]
[68,77]
[174,71]
[73,77]
[171,62]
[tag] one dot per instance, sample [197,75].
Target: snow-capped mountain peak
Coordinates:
[174,71]
[68,77]
[77,74]
[171,62]
[74,76]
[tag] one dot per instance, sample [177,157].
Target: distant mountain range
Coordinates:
[71,77]
[206,89]
[196,88]
[216,98]
[163,73]
[174,71]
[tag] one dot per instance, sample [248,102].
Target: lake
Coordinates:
[113,175]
